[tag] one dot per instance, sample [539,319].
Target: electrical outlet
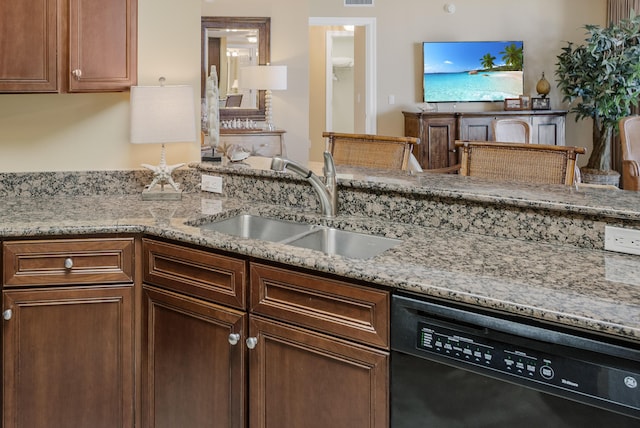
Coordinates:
[211,183]
[622,240]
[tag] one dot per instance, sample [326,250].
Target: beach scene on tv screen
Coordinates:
[472,71]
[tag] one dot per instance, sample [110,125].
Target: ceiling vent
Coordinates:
[358,2]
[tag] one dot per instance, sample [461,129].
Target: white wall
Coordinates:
[90,131]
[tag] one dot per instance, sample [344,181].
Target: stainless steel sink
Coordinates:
[257,227]
[314,237]
[344,243]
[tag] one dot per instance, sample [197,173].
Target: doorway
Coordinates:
[342,78]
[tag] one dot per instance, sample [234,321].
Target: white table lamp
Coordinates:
[162,114]
[268,78]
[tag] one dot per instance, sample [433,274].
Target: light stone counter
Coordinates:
[461,259]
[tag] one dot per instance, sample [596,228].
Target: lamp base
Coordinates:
[168,194]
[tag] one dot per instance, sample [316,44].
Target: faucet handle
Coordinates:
[329,165]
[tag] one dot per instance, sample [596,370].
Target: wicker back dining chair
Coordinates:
[532,163]
[511,130]
[373,151]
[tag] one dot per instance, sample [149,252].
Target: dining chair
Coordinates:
[630,139]
[368,150]
[511,130]
[532,163]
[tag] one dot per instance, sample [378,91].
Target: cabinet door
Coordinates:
[476,128]
[102,45]
[303,379]
[548,129]
[68,358]
[28,40]
[439,150]
[192,375]
[437,139]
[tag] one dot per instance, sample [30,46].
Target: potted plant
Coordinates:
[601,80]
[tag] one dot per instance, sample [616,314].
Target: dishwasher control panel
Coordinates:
[484,354]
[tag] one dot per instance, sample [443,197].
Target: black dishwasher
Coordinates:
[454,366]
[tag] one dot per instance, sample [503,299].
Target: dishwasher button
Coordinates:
[547,372]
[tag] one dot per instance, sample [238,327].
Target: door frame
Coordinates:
[370,62]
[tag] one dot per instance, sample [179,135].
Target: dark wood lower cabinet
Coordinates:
[299,378]
[193,377]
[90,341]
[68,357]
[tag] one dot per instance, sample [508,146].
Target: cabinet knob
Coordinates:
[234,338]
[252,342]
[7,314]
[68,263]
[452,150]
[77,73]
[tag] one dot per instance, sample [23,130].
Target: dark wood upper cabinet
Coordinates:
[68,46]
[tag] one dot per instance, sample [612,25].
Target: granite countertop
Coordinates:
[581,199]
[581,288]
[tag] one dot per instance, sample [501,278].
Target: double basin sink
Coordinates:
[329,240]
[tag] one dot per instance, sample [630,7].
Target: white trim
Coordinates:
[370,73]
[328,84]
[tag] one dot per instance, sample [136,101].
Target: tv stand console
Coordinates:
[439,130]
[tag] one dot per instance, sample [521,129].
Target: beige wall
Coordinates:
[90,131]
[543,25]
[57,132]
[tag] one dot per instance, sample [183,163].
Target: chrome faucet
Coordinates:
[327,191]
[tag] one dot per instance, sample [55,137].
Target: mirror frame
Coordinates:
[263,25]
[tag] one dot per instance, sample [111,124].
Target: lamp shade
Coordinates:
[162,114]
[272,77]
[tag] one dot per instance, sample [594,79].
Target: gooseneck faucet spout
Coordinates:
[327,192]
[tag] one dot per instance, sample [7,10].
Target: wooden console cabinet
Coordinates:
[439,130]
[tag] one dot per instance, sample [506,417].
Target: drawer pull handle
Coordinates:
[68,263]
[7,315]
[252,342]
[77,73]
[234,338]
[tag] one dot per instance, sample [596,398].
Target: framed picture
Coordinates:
[525,102]
[512,104]
[540,104]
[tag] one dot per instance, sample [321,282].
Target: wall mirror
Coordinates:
[230,43]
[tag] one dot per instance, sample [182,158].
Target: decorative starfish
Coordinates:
[162,173]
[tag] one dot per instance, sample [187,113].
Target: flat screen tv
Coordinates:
[472,71]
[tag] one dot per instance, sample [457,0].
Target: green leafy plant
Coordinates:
[601,80]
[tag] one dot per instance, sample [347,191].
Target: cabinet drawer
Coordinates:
[68,261]
[336,307]
[195,272]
